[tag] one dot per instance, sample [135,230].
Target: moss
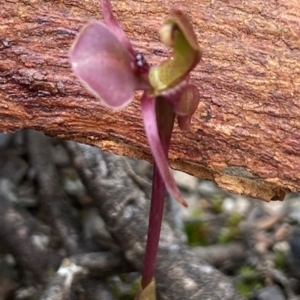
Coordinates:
[217,204]
[119,292]
[280,261]
[197,233]
[247,271]
[135,288]
[196,212]
[234,219]
[228,234]
[231,230]
[249,281]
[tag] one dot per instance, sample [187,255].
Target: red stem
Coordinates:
[155,221]
[165,121]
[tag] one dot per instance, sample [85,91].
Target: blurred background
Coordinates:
[256,244]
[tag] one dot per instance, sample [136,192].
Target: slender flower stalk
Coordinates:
[155,221]
[104,60]
[158,187]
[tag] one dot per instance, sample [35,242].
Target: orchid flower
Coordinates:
[104,60]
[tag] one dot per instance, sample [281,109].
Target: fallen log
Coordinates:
[246,132]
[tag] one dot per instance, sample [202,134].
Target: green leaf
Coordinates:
[177,32]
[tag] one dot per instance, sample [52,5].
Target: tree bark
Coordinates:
[246,130]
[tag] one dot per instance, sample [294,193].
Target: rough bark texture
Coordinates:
[246,131]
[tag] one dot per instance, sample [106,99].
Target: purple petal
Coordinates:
[114,25]
[188,101]
[186,106]
[103,65]
[151,129]
[184,122]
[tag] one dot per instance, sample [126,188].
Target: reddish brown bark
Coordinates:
[246,131]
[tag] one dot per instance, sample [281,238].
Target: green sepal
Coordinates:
[176,32]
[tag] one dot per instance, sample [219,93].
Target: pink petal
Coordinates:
[103,65]
[151,129]
[114,25]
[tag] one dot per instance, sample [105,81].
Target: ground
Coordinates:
[49,222]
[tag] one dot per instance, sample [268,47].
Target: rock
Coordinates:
[207,187]
[273,292]
[185,181]
[5,140]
